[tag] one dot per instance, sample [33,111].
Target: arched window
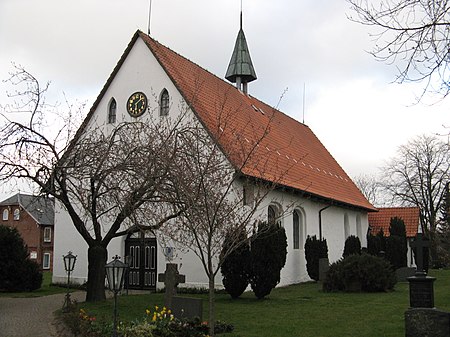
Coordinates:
[296,230]
[5,214]
[16,214]
[164,103]
[271,214]
[112,111]
[358,226]
[299,229]
[346,226]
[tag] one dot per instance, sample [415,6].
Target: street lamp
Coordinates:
[69,265]
[115,270]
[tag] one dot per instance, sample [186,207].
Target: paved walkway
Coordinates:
[32,317]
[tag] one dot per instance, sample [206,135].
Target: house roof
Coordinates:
[382,218]
[42,209]
[287,151]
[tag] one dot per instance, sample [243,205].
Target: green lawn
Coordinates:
[298,310]
[46,289]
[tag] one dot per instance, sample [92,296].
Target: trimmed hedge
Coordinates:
[268,256]
[352,246]
[315,250]
[236,265]
[18,272]
[364,272]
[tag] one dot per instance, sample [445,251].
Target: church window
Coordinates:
[271,214]
[249,194]
[5,214]
[112,110]
[298,229]
[346,226]
[46,261]
[358,226]
[164,103]
[16,214]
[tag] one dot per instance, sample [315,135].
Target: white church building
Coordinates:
[316,196]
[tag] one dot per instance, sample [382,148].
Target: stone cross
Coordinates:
[171,279]
[419,243]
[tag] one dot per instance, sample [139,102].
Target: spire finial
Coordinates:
[241,15]
[240,69]
[149,16]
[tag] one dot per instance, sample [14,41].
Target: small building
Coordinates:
[411,217]
[33,217]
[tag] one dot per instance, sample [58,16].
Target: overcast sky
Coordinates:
[351,103]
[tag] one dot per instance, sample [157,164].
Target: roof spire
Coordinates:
[240,69]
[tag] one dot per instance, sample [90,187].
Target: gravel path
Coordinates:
[32,317]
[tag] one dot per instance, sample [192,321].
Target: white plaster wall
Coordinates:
[139,72]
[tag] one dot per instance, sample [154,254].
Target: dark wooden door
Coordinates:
[140,253]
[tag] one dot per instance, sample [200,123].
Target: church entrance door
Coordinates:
[140,253]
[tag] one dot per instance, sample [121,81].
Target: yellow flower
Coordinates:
[147,312]
[154,317]
[156,307]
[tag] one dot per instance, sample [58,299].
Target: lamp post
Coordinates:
[69,265]
[115,271]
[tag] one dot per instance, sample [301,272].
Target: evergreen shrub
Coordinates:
[18,272]
[268,256]
[235,265]
[396,246]
[376,243]
[352,246]
[315,250]
[364,272]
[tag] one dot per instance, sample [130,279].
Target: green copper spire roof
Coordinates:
[241,63]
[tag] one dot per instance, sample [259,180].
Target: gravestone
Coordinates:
[422,319]
[403,273]
[171,279]
[324,266]
[421,293]
[187,307]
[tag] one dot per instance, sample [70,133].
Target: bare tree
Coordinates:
[106,181]
[413,35]
[417,176]
[219,200]
[370,186]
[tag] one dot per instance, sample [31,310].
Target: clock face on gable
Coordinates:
[137,104]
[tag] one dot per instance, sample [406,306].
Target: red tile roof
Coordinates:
[382,218]
[288,152]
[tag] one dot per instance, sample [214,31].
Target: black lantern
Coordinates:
[69,266]
[115,271]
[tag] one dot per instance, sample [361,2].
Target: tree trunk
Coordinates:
[97,255]
[212,309]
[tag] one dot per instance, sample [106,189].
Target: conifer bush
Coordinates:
[363,272]
[236,265]
[315,250]
[352,246]
[376,243]
[396,246]
[268,256]
[18,272]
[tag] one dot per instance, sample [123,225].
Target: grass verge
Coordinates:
[298,310]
